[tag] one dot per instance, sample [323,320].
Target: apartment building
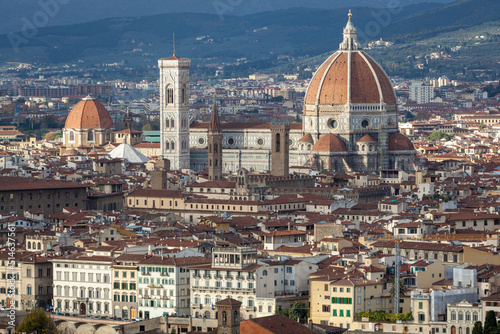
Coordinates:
[82,284]
[124,278]
[36,281]
[164,285]
[233,273]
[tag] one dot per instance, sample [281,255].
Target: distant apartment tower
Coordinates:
[421,92]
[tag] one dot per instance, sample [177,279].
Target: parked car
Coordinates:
[137,319]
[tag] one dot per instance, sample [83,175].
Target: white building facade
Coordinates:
[82,285]
[164,284]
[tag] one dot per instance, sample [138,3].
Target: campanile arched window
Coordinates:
[169,95]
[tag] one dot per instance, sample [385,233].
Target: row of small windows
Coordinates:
[475,316]
[170,145]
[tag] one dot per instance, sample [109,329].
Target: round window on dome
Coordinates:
[365,124]
[230,141]
[333,123]
[260,141]
[201,141]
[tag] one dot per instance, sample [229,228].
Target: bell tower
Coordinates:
[280,149]
[214,146]
[228,316]
[174,110]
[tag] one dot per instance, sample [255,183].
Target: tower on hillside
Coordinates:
[228,316]
[280,149]
[174,110]
[214,146]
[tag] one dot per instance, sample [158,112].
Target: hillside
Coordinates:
[260,38]
[71,12]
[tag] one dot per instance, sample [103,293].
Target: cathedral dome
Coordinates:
[349,75]
[367,139]
[399,142]
[307,138]
[89,114]
[328,144]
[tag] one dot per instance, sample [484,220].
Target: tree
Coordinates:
[147,127]
[482,126]
[478,328]
[402,289]
[175,332]
[490,323]
[438,135]
[37,320]
[298,310]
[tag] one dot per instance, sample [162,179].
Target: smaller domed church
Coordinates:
[88,127]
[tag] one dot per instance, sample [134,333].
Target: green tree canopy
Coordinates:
[147,127]
[298,310]
[490,323]
[37,320]
[478,328]
[438,135]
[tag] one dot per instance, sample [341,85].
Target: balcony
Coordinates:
[208,276]
[228,277]
[164,274]
[240,278]
[218,277]
[196,274]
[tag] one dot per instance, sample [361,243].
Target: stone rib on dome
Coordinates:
[89,114]
[329,143]
[399,142]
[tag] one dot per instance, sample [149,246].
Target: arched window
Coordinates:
[264,273]
[172,123]
[224,317]
[235,317]
[460,316]
[71,136]
[475,317]
[169,95]
[90,136]
[363,148]
[216,148]
[172,145]
[185,95]
[39,245]
[29,244]
[28,292]
[453,315]
[278,142]
[216,163]
[467,316]
[167,145]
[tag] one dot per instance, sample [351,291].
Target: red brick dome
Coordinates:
[367,138]
[307,138]
[349,75]
[89,114]
[399,142]
[329,143]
